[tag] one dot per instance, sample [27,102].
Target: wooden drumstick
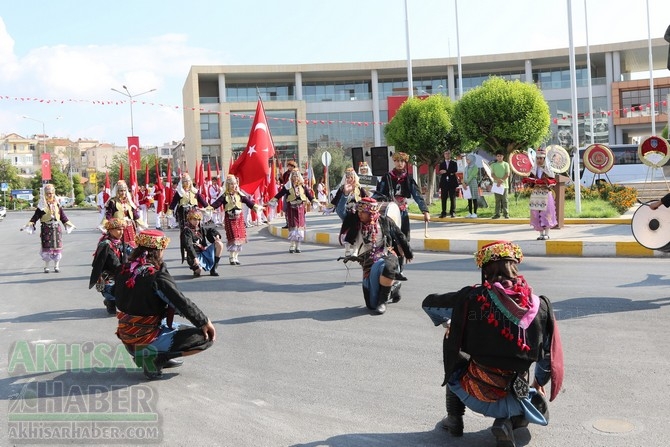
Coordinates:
[425,229]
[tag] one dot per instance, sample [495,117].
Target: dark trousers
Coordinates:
[449,193]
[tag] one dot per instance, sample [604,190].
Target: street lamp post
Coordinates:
[44,143]
[130,97]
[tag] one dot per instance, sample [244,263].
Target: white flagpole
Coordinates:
[588,68]
[410,86]
[458,51]
[575,125]
[651,77]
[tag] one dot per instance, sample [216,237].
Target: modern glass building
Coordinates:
[343,105]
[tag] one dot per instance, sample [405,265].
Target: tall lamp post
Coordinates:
[130,97]
[44,143]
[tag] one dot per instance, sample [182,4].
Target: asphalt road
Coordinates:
[298,360]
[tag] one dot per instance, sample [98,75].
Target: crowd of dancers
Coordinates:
[486,369]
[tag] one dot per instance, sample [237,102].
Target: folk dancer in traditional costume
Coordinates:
[147,299]
[231,201]
[144,202]
[186,197]
[495,331]
[159,201]
[109,256]
[398,186]
[349,193]
[214,193]
[121,206]
[378,241]
[203,245]
[291,166]
[297,198]
[50,215]
[542,204]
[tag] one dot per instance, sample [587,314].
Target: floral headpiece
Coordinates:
[541,152]
[496,251]
[194,214]
[400,156]
[115,223]
[368,205]
[231,179]
[152,239]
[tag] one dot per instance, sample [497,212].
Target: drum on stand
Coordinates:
[391,210]
[651,228]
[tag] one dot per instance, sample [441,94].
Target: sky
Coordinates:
[60,59]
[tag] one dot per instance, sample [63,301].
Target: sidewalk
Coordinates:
[578,237]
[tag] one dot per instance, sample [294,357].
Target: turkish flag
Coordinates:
[46,166]
[134,159]
[252,166]
[107,190]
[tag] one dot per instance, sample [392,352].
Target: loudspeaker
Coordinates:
[357,157]
[379,160]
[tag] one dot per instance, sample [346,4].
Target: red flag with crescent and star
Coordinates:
[252,166]
[134,158]
[46,166]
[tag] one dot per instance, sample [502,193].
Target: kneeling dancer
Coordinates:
[378,242]
[195,237]
[495,331]
[147,299]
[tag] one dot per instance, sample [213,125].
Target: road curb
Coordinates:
[530,248]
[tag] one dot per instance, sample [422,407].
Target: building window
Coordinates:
[211,154]
[336,91]
[209,126]
[281,122]
[267,92]
[637,103]
[343,129]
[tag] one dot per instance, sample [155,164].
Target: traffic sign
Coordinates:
[4,186]
[326,158]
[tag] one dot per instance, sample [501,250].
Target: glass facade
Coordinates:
[211,154]
[267,91]
[636,102]
[336,91]
[560,78]
[343,129]
[209,126]
[283,150]
[421,85]
[281,122]
[561,124]
[470,82]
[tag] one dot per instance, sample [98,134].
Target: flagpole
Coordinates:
[651,76]
[575,126]
[588,68]
[410,86]
[458,55]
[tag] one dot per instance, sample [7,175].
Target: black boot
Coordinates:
[453,423]
[366,297]
[383,297]
[504,432]
[395,292]
[213,272]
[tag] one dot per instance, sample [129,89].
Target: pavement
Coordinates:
[460,235]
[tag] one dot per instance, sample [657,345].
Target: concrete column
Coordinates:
[375,107]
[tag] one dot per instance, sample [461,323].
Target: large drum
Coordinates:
[651,228]
[390,210]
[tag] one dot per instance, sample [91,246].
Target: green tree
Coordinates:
[78,189]
[501,114]
[423,129]
[10,175]
[59,179]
